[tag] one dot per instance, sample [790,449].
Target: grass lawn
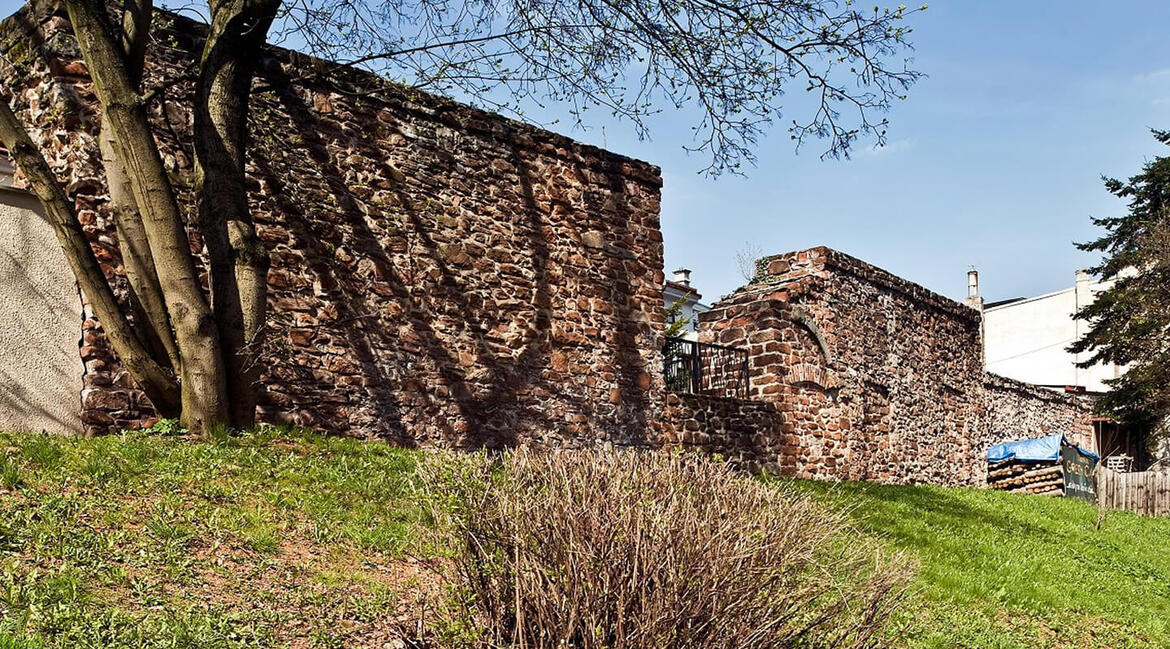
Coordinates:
[1000,570]
[292,540]
[146,541]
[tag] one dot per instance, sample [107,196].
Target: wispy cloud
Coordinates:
[891,147]
[1156,76]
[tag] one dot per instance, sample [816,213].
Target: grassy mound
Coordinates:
[1010,570]
[145,541]
[292,540]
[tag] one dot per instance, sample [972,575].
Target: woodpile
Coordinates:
[1040,478]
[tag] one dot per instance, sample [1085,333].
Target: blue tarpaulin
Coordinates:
[1044,449]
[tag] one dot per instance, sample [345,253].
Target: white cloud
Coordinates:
[891,147]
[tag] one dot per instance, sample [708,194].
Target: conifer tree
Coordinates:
[1130,322]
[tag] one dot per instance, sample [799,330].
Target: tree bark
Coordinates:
[136,257]
[202,372]
[136,16]
[156,381]
[239,262]
[139,263]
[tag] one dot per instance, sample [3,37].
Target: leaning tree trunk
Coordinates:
[203,379]
[149,305]
[239,262]
[155,380]
[137,259]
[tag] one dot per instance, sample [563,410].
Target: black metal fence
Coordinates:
[705,368]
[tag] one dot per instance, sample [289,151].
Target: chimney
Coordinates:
[683,276]
[1083,295]
[973,300]
[1084,278]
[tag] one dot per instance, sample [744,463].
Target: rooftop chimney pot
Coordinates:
[973,299]
[683,276]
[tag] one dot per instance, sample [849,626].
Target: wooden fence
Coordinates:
[1146,492]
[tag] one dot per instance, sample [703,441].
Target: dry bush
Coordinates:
[633,550]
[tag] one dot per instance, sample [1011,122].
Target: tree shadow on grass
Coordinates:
[950,507]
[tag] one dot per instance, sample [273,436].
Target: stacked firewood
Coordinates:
[1041,478]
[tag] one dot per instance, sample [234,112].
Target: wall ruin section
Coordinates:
[869,377]
[444,276]
[440,275]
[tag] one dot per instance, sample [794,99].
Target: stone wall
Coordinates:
[874,377]
[1017,410]
[858,374]
[440,275]
[741,431]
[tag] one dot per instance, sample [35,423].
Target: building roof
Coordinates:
[684,289]
[1024,300]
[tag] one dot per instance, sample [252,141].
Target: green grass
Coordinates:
[275,538]
[1000,570]
[286,539]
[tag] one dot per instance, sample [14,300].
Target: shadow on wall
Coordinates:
[25,408]
[423,288]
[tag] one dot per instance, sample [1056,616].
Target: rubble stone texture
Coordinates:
[1014,406]
[444,276]
[871,377]
[440,275]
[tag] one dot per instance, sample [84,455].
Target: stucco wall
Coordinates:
[1028,340]
[40,323]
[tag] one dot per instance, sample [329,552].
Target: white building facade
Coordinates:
[1027,339]
[678,290]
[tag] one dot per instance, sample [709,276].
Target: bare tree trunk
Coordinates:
[239,262]
[136,257]
[136,16]
[158,384]
[202,372]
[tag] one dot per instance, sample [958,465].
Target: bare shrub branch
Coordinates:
[632,550]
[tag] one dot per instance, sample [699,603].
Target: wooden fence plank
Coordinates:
[1146,493]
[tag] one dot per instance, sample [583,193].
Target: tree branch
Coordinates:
[202,375]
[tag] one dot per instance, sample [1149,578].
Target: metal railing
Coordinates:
[705,368]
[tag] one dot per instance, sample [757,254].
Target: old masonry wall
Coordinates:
[440,275]
[858,374]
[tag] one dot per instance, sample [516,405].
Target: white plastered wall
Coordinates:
[1028,340]
[40,323]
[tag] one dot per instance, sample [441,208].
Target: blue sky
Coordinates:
[994,160]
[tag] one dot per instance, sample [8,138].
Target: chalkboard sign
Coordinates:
[1078,474]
